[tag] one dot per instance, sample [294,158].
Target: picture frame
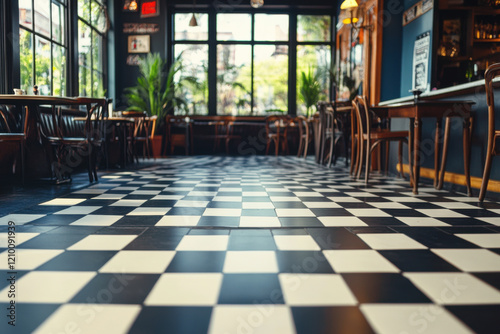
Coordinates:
[138,44]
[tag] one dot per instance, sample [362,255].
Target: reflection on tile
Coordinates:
[358,260]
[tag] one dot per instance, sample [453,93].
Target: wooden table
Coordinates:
[437,109]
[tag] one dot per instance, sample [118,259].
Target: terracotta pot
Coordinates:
[156,146]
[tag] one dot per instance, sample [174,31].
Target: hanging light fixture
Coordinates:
[257,3]
[348,4]
[193,22]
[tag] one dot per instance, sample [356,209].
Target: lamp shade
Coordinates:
[348,4]
[256,3]
[193,22]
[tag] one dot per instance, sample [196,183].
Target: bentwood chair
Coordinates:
[492,72]
[179,133]
[13,130]
[304,135]
[370,135]
[276,132]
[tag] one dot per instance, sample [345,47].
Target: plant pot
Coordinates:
[156,146]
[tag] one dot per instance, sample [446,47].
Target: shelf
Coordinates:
[491,40]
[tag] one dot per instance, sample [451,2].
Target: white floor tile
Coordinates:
[18,237]
[284,199]
[185,289]
[19,219]
[259,221]
[405,199]
[390,241]
[421,221]
[368,213]
[78,210]
[90,191]
[145,192]
[91,318]
[360,194]
[412,319]
[344,199]
[28,259]
[341,221]
[143,262]
[222,212]
[258,205]
[295,242]
[64,201]
[294,213]
[255,319]
[110,196]
[473,260]
[358,261]
[250,262]
[191,204]
[103,242]
[486,240]
[175,220]
[148,211]
[321,205]
[309,290]
[168,197]
[388,205]
[454,288]
[254,194]
[97,220]
[490,220]
[49,286]
[455,205]
[129,202]
[203,243]
[228,199]
[441,213]
[307,194]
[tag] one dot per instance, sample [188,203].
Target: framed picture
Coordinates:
[138,44]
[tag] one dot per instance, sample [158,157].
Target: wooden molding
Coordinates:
[459,179]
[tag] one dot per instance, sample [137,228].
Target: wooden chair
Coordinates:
[276,132]
[492,72]
[304,135]
[179,133]
[369,137]
[13,130]
[142,133]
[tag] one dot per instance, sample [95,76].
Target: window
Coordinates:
[313,53]
[191,47]
[92,24]
[253,57]
[43,46]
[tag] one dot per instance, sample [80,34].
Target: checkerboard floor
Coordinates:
[253,245]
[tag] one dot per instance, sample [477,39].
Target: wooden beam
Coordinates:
[459,179]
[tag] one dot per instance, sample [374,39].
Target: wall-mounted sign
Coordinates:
[140,28]
[138,44]
[133,60]
[421,61]
[130,6]
[150,8]
[417,10]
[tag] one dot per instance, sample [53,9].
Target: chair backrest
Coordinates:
[362,114]
[301,121]
[277,124]
[491,73]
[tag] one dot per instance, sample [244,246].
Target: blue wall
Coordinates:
[410,32]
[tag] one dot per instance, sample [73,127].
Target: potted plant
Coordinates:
[157,91]
[310,89]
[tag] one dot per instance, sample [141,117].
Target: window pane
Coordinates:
[84,9]
[195,66]
[42,65]
[234,79]
[234,27]
[84,59]
[97,50]
[317,58]
[270,78]
[97,17]
[98,84]
[25,13]
[313,28]
[59,70]
[58,27]
[271,27]
[184,32]
[42,17]
[26,59]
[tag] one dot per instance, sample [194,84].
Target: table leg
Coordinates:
[445,152]
[416,153]
[436,151]
[466,144]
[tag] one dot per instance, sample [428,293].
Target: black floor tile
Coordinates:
[250,289]
[197,262]
[419,260]
[330,320]
[78,261]
[181,320]
[237,242]
[482,319]
[336,238]
[303,262]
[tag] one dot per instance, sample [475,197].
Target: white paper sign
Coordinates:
[421,61]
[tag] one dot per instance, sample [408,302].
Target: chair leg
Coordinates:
[276,146]
[387,148]
[306,146]
[369,151]
[332,145]
[354,151]
[361,157]
[400,158]
[486,173]
[267,146]
[301,144]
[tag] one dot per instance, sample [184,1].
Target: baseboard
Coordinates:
[458,179]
